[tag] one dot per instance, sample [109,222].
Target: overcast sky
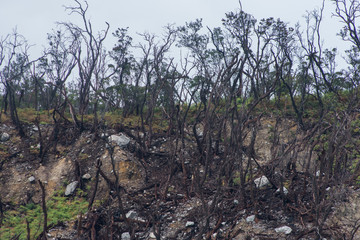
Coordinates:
[35,18]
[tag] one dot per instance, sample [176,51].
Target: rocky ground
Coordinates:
[151,212]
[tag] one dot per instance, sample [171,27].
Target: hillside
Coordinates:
[250,130]
[153,192]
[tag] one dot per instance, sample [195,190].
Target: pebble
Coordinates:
[284,229]
[125,236]
[250,218]
[86,176]
[31,179]
[189,224]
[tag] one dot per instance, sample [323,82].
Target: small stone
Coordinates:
[152,235]
[236,202]
[250,219]
[189,224]
[261,182]
[104,135]
[71,188]
[199,132]
[86,176]
[4,137]
[284,229]
[31,179]
[125,236]
[131,214]
[284,190]
[139,219]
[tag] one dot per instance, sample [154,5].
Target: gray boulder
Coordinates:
[120,140]
[70,189]
[261,182]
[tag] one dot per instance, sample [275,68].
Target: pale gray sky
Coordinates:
[35,18]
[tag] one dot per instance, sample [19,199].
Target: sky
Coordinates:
[35,18]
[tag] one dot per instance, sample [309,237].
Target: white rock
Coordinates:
[120,140]
[284,190]
[236,202]
[131,214]
[31,179]
[104,135]
[125,236]
[189,224]
[152,235]
[86,176]
[250,218]
[139,219]
[261,182]
[4,137]
[199,132]
[284,229]
[71,188]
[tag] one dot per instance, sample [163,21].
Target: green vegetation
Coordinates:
[60,209]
